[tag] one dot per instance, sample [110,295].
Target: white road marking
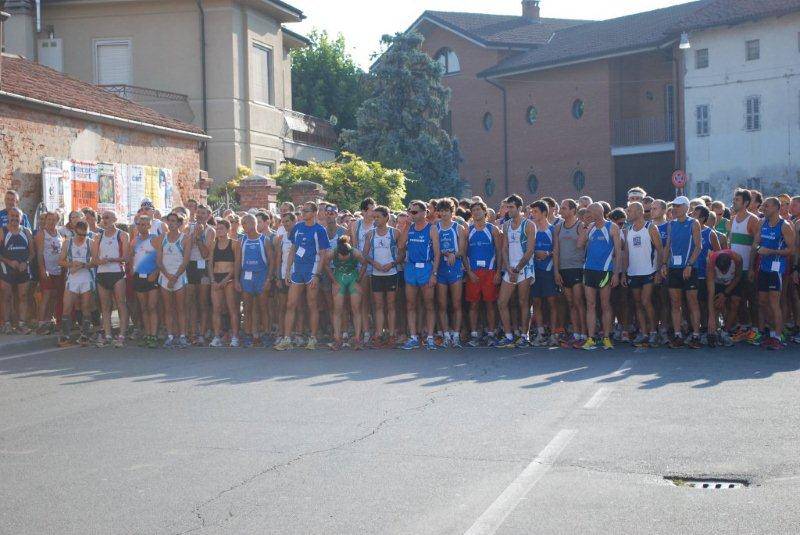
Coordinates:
[32,353]
[627,365]
[598,398]
[491,520]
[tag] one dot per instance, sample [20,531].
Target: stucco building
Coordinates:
[223,65]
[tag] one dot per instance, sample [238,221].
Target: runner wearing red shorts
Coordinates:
[483,278]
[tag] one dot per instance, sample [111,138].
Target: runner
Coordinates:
[519,238]
[358,236]
[143,258]
[774,243]
[256,256]
[382,254]
[723,282]
[75,259]
[680,268]
[173,257]
[51,277]
[742,229]
[643,253]
[450,277]
[484,243]
[419,245]
[200,237]
[310,248]
[11,200]
[330,215]
[544,284]
[349,266]
[226,258]
[16,253]
[600,272]
[709,242]
[568,260]
[109,252]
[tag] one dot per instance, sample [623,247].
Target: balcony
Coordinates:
[641,135]
[308,138]
[167,103]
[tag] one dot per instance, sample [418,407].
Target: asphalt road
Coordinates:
[480,442]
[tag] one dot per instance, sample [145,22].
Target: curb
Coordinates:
[33,342]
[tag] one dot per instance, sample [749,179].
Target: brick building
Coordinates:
[562,107]
[44,113]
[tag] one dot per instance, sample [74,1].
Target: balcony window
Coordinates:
[488,121]
[752,121]
[533,183]
[701,59]
[488,187]
[448,60]
[531,115]
[577,108]
[579,180]
[702,187]
[753,50]
[701,115]
[261,74]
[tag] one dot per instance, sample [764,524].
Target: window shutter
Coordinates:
[261,74]
[114,63]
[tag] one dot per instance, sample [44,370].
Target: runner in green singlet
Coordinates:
[346,271]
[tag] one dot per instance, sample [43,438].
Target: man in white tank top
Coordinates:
[75,260]
[380,249]
[200,238]
[643,253]
[172,258]
[109,252]
[51,277]
[742,229]
[358,235]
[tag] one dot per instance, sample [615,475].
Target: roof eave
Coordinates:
[100,117]
[466,35]
[739,20]
[301,39]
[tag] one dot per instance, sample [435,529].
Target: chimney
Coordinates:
[3,17]
[530,9]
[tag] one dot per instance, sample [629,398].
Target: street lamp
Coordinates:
[685,44]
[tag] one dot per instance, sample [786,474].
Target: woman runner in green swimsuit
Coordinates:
[345,276]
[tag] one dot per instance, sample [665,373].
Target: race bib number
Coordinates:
[481,263]
[419,265]
[776,267]
[201,264]
[248,275]
[142,275]
[301,252]
[677,260]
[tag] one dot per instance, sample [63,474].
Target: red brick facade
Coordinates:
[27,135]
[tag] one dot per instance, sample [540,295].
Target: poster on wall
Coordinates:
[84,185]
[136,188]
[56,192]
[106,199]
[151,184]
[165,181]
[121,192]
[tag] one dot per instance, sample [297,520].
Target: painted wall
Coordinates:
[730,155]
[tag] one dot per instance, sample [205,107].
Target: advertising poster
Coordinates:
[84,185]
[136,188]
[53,184]
[166,181]
[151,186]
[121,192]
[106,199]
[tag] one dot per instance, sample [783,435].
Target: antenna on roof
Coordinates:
[530,9]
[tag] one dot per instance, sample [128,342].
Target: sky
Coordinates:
[363,22]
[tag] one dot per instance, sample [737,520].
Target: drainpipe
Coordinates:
[203,76]
[505,132]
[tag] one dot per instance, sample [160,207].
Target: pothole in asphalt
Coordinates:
[706,483]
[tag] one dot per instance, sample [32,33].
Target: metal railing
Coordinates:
[311,130]
[642,131]
[131,92]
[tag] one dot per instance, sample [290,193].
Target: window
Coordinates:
[701,114]
[264,168]
[577,108]
[532,114]
[701,59]
[669,111]
[702,187]
[533,183]
[578,180]
[448,60]
[488,187]
[754,183]
[113,64]
[488,121]
[753,50]
[261,75]
[752,120]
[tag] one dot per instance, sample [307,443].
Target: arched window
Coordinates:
[577,108]
[578,180]
[448,60]
[533,183]
[532,114]
[488,121]
[488,187]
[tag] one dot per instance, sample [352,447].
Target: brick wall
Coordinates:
[28,135]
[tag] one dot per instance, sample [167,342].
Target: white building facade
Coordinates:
[742,107]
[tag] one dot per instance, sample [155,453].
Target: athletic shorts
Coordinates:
[770,281]
[52,282]
[195,274]
[597,279]
[348,282]
[143,284]
[12,276]
[544,285]
[675,280]
[720,288]
[219,277]
[418,276]
[449,274]
[637,282]
[385,283]
[483,290]
[163,282]
[253,282]
[80,286]
[107,281]
[527,273]
[571,277]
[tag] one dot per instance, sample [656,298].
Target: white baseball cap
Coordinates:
[681,200]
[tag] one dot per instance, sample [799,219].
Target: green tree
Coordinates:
[224,195]
[326,81]
[347,180]
[400,124]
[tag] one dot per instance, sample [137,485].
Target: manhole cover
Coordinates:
[707,483]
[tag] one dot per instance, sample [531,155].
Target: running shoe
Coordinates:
[607,344]
[143,341]
[725,339]
[539,341]
[712,340]
[676,342]
[312,343]
[64,341]
[522,342]
[553,340]
[234,342]
[200,341]
[455,342]
[152,342]
[796,339]
[183,342]
[625,337]
[216,342]
[410,344]
[103,341]
[43,328]
[119,342]
[754,337]
[84,340]
[694,342]
[653,340]
[8,329]
[640,340]
[266,341]
[506,343]
[23,329]
[247,341]
[358,345]
[283,344]
[430,345]
[491,341]
[335,345]
[742,335]
[567,343]
[589,344]
[169,343]
[474,341]
[772,343]
[578,343]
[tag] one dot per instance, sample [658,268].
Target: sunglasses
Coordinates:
[413,212]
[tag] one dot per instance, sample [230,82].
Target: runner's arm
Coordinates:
[715,246]
[39,245]
[158,246]
[237,259]
[618,262]
[530,232]
[437,253]
[556,250]
[692,260]
[655,239]
[187,254]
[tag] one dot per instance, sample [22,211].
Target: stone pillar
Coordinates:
[257,191]
[305,191]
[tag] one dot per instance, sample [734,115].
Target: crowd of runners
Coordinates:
[442,274]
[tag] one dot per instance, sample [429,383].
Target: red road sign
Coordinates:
[679,179]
